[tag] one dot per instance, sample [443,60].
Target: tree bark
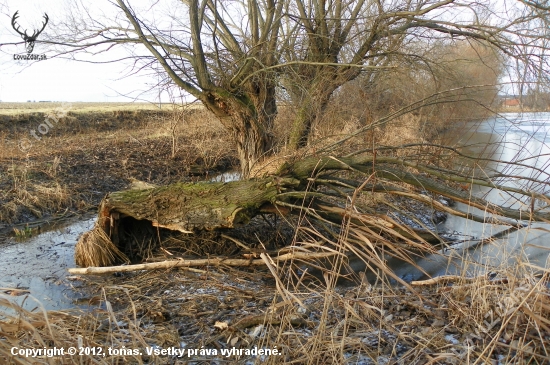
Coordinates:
[311,96]
[253,129]
[188,208]
[249,118]
[306,117]
[311,90]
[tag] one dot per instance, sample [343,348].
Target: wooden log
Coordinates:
[183,207]
[199,262]
[187,207]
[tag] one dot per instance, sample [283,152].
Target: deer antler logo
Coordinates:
[29,39]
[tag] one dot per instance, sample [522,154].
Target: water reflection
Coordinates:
[520,138]
[39,265]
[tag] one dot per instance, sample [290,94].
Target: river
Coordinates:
[508,138]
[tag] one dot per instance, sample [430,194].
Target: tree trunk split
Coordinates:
[188,207]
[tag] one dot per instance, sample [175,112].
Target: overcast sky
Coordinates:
[59,79]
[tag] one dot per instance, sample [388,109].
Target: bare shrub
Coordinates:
[465,74]
[209,141]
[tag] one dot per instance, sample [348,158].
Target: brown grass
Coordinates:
[99,148]
[95,248]
[299,307]
[503,319]
[27,193]
[310,318]
[54,329]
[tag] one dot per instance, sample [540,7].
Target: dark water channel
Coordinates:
[508,138]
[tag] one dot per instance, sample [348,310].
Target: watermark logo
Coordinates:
[50,121]
[29,39]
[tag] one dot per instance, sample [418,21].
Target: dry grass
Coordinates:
[208,141]
[309,319]
[78,107]
[501,319]
[26,192]
[94,248]
[99,148]
[300,309]
[41,329]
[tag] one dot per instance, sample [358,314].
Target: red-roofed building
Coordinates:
[511,103]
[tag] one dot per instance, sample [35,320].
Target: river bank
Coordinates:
[199,313]
[499,315]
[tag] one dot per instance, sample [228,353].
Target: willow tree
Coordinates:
[207,48]
[339,40]
[220,68]
[234,55]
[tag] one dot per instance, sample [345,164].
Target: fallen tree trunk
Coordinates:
[183,207]
[187,207]
[305,186]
